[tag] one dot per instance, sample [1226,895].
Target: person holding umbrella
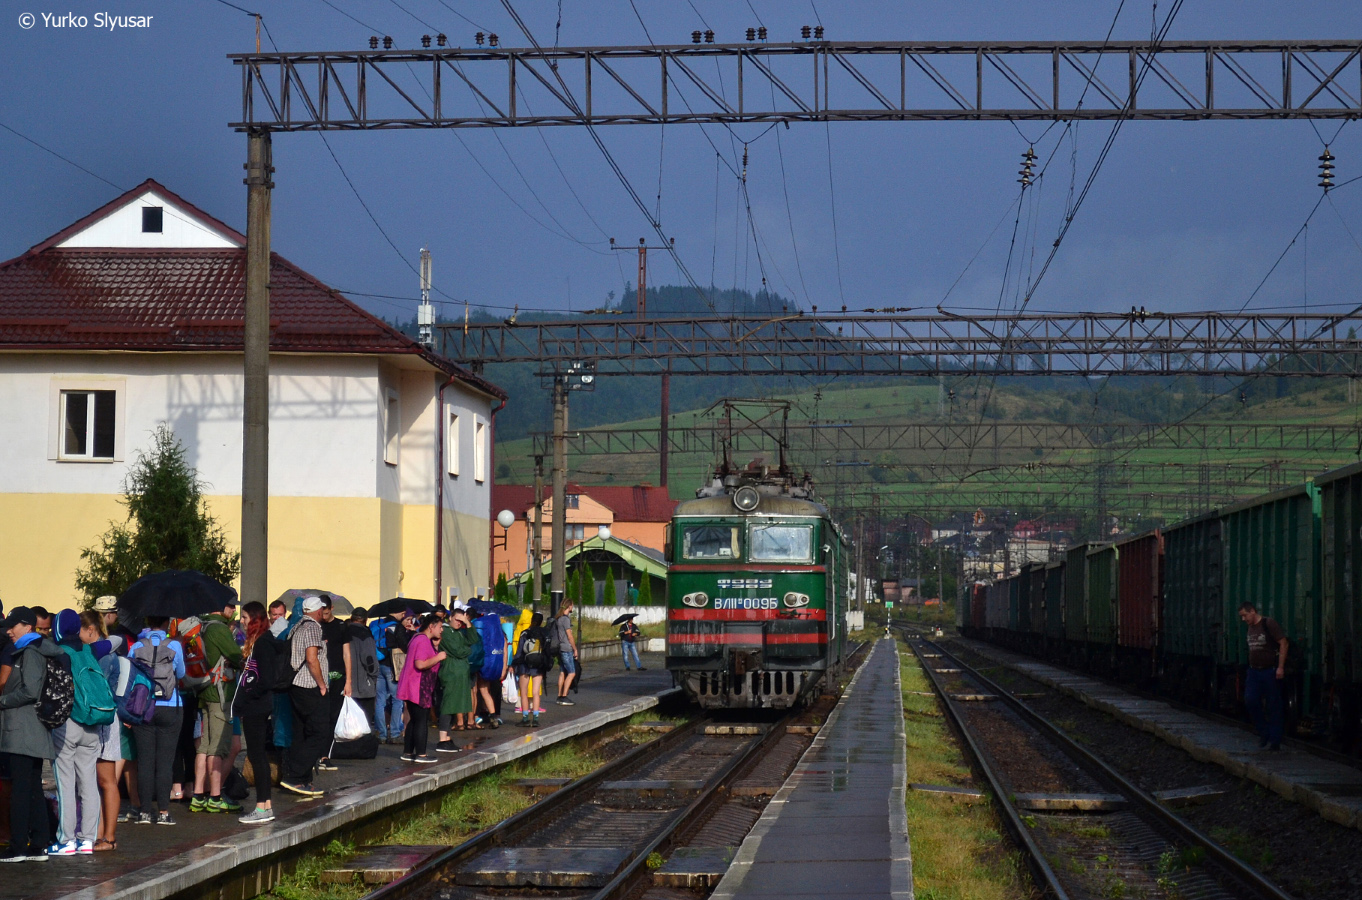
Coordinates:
[156,741]
[629,635]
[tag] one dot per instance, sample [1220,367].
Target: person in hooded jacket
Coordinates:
[77,747]
[25,738]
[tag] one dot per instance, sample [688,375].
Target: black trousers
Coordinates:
[28,826]
[418,730]
[156,747]
[311,732]
[182,772]
[255,731]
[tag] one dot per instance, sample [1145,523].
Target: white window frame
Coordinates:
[452,443]
[392,427]
[56,432]
[479,449]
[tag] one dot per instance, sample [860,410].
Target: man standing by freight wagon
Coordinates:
[1267,646]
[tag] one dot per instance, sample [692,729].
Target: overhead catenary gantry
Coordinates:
[819,81]
[813,81]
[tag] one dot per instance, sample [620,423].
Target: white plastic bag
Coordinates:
[509,692]
[353,723]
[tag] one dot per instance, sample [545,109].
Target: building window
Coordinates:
[87,424]
[574,532]
[452,442]
[392,421]
[572,501]
[479,451]
[152,217]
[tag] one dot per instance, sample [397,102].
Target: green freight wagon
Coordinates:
[1014,594]
[1272,560]
[1075,589]
[1099,607]
[1054,604]
[1341,595]
[1193,608]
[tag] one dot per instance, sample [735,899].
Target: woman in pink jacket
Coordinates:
[416,686]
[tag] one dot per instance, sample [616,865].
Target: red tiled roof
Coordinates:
[154,300]
[639,503]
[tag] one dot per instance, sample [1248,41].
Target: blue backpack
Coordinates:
[493,646]
[133,693]
[379,630]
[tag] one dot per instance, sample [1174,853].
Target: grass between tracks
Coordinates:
[480,803]
[959,852]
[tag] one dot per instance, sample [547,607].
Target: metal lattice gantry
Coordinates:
[1200,343]
[838,438]
[814,81]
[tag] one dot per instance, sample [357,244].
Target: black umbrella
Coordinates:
[620,620]
[174,593]
[398,604]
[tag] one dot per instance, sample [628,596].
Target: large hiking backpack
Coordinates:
[363,666]
[197,673]
[93,701]
[283,668]
[157,662]
[58,692]
[133,693]
[493,646]
[532,650]
[379,629]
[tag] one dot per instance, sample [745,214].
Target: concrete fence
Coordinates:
[611,649]
[647,615]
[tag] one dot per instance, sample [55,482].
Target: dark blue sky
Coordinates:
[1182,216]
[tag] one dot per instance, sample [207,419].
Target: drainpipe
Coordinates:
[492,483]
[440,430]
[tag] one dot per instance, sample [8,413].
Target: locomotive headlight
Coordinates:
[795,600]
[699,599]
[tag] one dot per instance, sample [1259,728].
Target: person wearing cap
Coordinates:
[456,697]
[77,746]
[25,738]
[6,653]
[223,658]
[107,607]
[311,708]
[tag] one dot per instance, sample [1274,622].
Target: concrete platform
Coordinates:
[1332,789]
[155,862]
[839,825]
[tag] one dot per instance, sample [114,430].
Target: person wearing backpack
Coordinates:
[24,737]
[565,646]
[532,663]
[456,698]
[388,708]
[76,742]
[363,664]
[493,668]
[222,659]
[162,660]
[110,762]
[253,702]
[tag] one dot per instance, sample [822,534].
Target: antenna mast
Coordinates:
[425,313]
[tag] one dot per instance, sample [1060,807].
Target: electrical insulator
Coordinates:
[805,31]
[751,34]
[695,37]
[744,163]
[1326,170]
[709,37]
[492,39]
[761,33]
[479,38]
[1027,176]
[387,42]
[441,40]
[373,43]
[818,33]
[425,40]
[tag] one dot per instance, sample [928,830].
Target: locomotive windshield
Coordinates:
[710,542]
[781,543]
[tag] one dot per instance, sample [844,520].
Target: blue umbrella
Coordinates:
[481,607]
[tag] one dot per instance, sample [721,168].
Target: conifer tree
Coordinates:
[502,591]
[609,599]
[645,590]
[588,585]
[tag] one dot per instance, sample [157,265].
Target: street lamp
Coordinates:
[603,532]
[505,519]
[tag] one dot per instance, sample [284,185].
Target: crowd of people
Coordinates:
[131,721]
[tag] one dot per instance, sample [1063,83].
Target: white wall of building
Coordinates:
[123,228]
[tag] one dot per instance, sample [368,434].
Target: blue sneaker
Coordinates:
[62,849]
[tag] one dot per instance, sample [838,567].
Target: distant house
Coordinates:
[133,316]
[637,515]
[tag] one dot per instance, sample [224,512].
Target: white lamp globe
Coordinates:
[603,532]
[505,518]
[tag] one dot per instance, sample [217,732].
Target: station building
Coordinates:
[134,316]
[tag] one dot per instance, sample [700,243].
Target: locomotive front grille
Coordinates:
[757,688]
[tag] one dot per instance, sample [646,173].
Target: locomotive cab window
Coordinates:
[710,542]
[781,543]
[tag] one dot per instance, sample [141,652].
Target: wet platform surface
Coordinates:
[1332,789]
[839,826]
[154,862]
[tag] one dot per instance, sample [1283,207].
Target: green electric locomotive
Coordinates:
[757,586]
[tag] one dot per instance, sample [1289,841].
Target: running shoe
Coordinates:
[257,816]
[165,819]
[199,804]
[85,847]
[223,805]
[62,849]
[446,747]
[425,760]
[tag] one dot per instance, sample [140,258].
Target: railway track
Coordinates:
[668,815]
[1086,830]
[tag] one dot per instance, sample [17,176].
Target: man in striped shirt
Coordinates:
[311,709]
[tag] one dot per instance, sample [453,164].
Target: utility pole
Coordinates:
[537,539]
[559,528]
[641,311]
[255,446]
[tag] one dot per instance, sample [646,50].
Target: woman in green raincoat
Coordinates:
[461,643]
